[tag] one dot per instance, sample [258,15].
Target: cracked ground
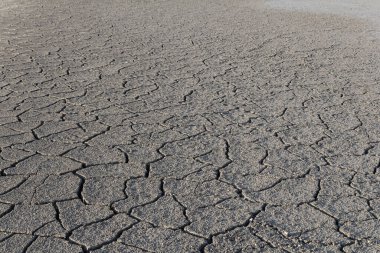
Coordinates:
[187,126]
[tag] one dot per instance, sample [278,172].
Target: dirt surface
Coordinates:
[188,126]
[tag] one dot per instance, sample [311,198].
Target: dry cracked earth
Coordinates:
[187,126]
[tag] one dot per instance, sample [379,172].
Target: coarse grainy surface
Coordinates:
[189,126]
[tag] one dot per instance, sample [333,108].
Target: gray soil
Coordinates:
[189,126]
